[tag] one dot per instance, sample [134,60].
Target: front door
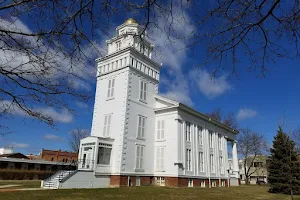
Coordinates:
[87,162]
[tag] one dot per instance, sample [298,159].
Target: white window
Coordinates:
[160,158]
[141,126]
[200,135]
[111,88]
[104,156]
[188,132]
[201,162]
[140,150]
[118,45]
[160,181]
[160,130]
[212,165]
[221,165]
[220,142]
[188,160]
[143,90]
[106,128]
[190,184]
[210,139]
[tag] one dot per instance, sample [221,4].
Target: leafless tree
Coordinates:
[216,114]
[251,145]
[75,136]
[41,63]
[228,119]
[295,136]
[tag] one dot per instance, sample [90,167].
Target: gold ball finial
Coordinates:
[131,21]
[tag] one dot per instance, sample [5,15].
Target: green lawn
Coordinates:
[22,183]
[148,193]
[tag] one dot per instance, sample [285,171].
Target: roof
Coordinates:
[31,161]
[14,155]
[190,110]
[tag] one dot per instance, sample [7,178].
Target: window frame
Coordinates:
[201,161]
[220,146]
[188,131]
[141,128]
[221,163]
[160,130]
[188,159]
[104,152]
[118,45]
[200,135]
[142,91]
[211,139]
[111,89]
[212,164]
[106,125]
[139,160]
[160,159]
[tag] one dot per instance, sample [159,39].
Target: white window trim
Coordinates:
[160,130]
[201,169]
[220,146]
[221,163]
[144,96]
[161,159]
[111,89]
[108,147]
[212,163]
[106,125]
[188,159]
[143,129]
[187,132]
[200,132]
[139,168]
[160,181]
[211,139]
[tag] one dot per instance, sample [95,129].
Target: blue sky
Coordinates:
[258,103]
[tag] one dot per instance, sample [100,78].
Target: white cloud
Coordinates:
[64,116]
[11,108]
[19,145]
[170,50]
[52,137]
[177,89]
[246,114]
[81,104]
[79,84]
[209,86]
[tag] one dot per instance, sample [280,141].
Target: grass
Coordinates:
[149,193]
[22,183]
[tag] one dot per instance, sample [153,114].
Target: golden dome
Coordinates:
[131,21]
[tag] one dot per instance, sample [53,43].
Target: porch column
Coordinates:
[235,160]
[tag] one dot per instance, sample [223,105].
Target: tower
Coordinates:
[127,80]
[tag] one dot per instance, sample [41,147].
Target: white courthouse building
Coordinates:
[140,138]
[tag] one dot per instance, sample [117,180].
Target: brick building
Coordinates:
[56,156]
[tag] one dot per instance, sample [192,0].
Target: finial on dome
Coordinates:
[131,21]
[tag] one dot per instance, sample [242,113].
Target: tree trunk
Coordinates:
[247,181]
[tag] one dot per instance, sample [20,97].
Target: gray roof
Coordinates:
[32,161]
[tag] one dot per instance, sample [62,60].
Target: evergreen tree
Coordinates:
[284,169]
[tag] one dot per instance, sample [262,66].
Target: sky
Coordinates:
[258,103]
